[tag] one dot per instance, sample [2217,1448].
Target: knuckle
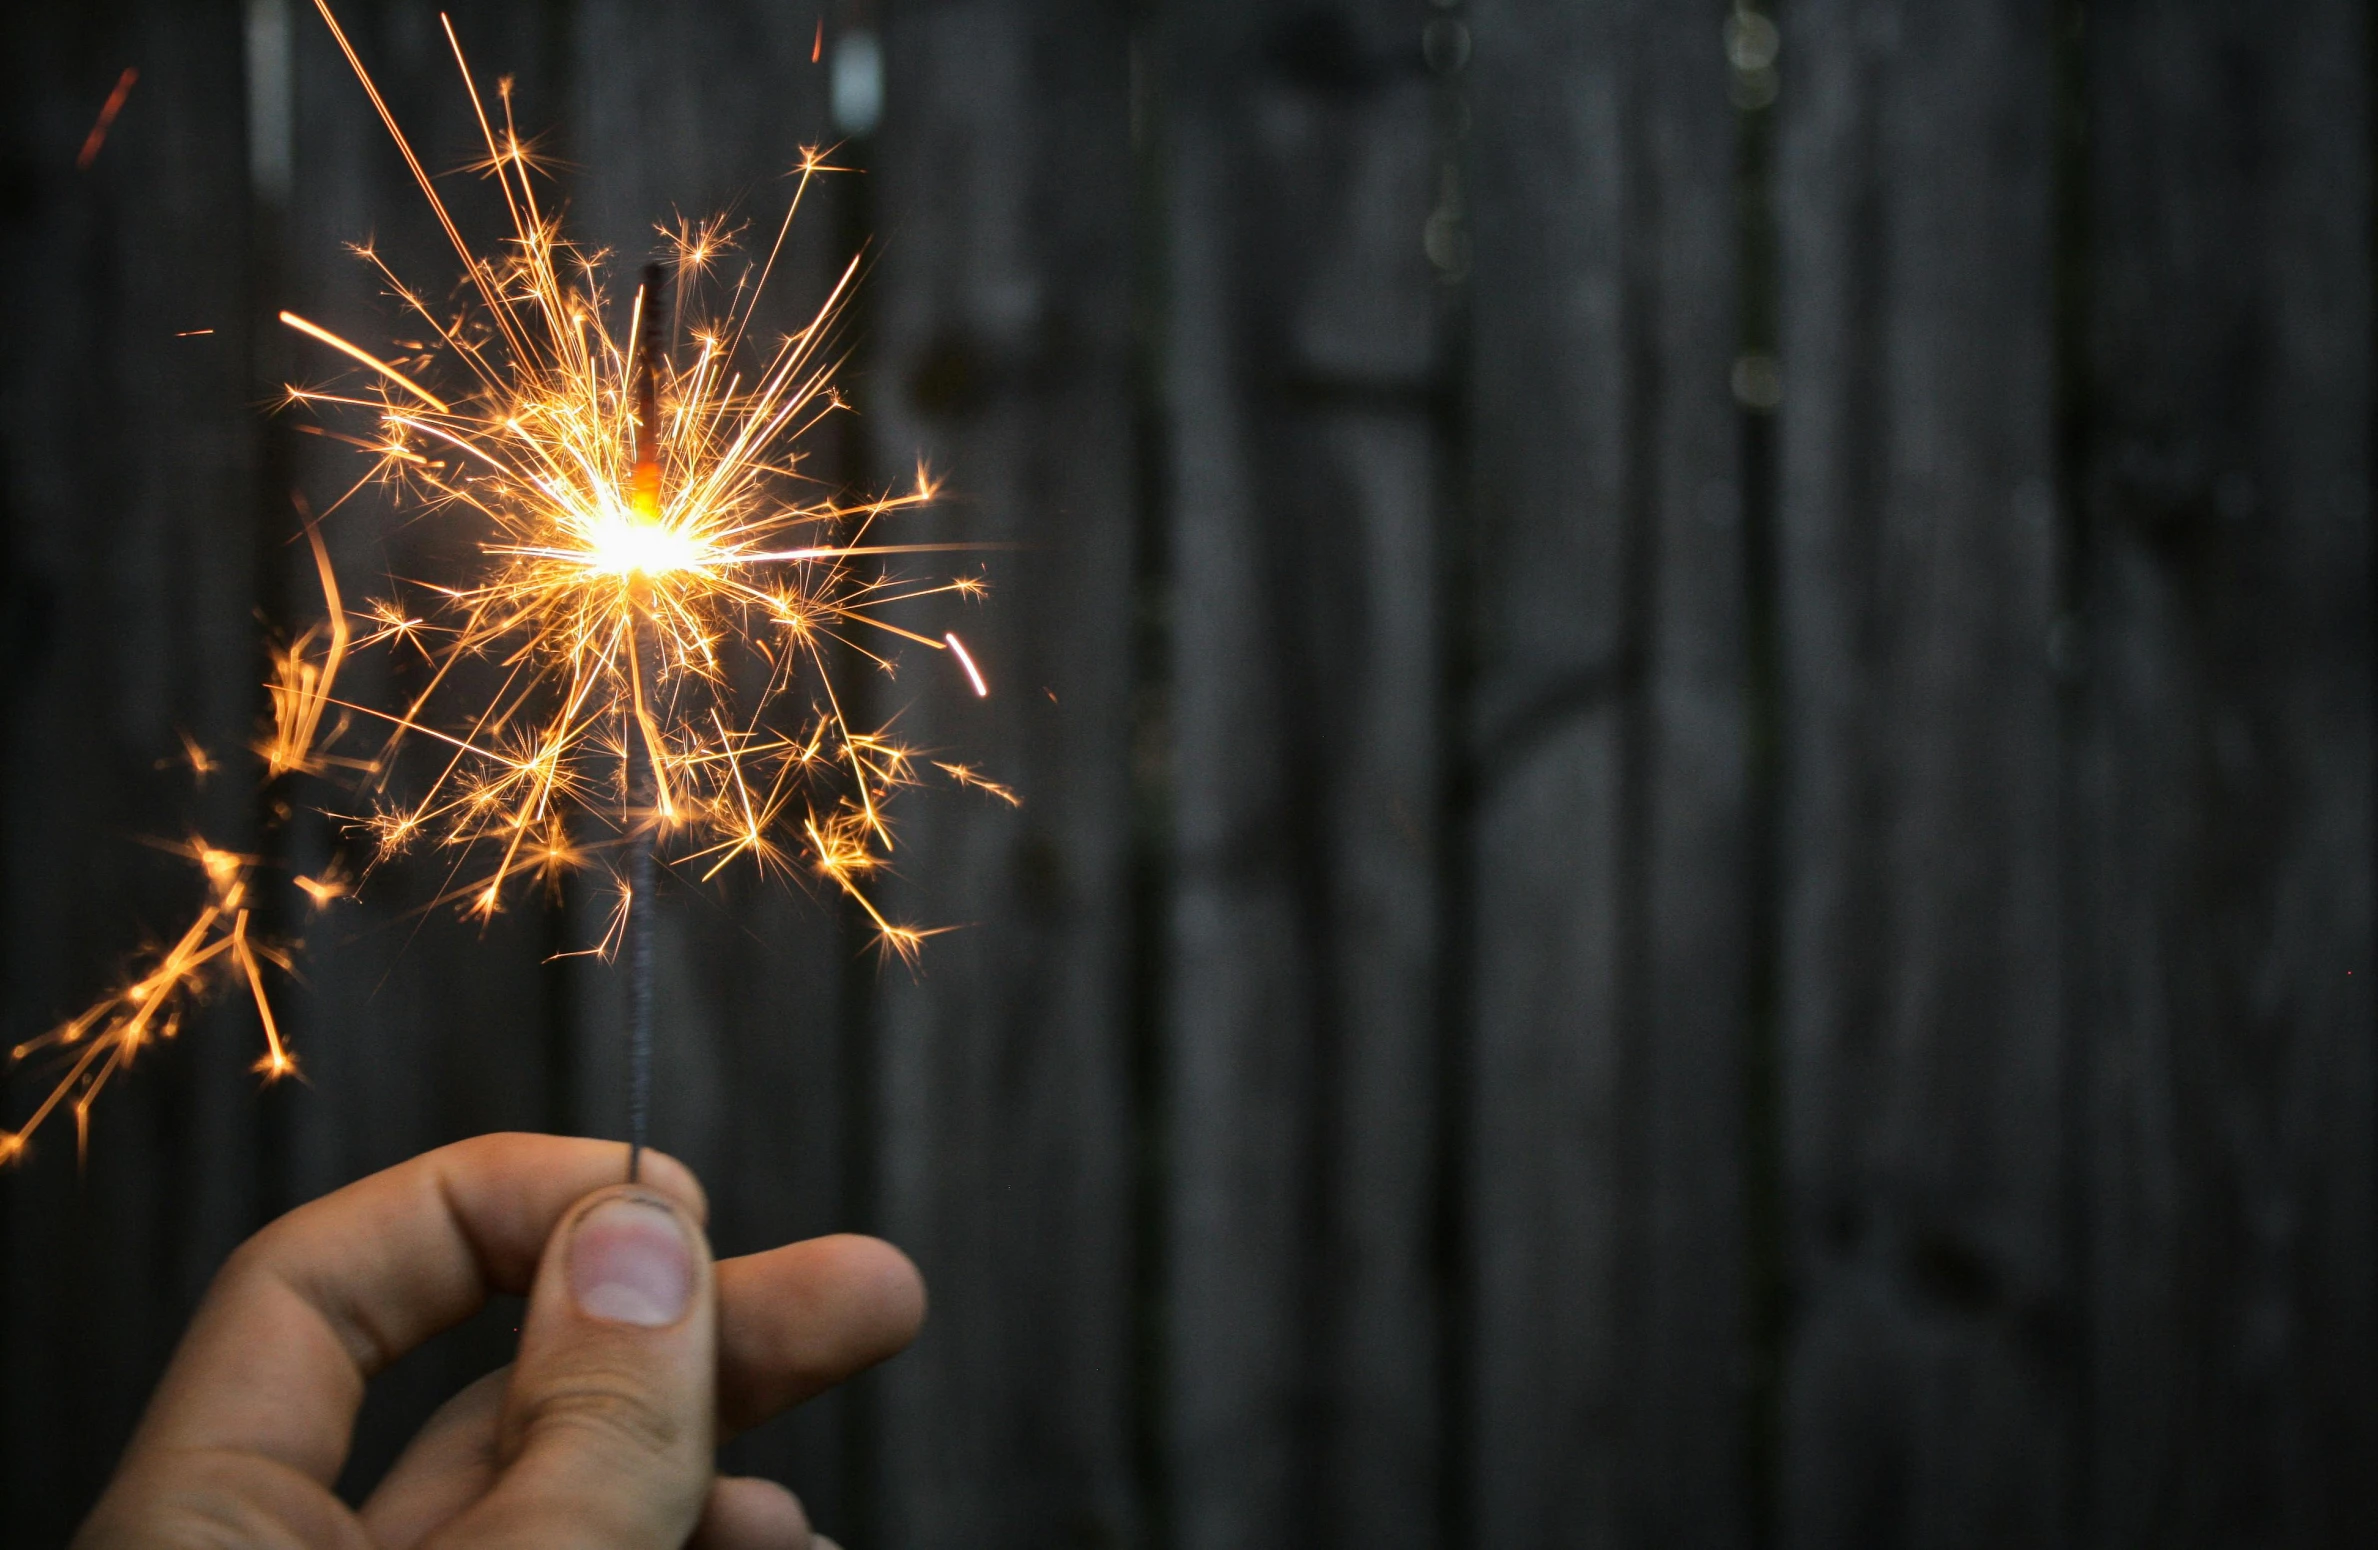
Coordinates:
[250,1261]
[608,1412]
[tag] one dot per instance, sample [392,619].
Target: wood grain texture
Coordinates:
[999,351]
[1606,755]
[1930,1389]
[2224,774]
[1303,361]
[127,575]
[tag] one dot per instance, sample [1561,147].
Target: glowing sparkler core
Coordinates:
[629,544]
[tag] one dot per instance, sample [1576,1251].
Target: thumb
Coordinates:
[608,1429]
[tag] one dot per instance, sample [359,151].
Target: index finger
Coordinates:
[318,1302]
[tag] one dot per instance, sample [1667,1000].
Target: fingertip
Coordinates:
[889,1281]
[631,1256]
[510,1153]
[667,1174]
[747,1513]
[796,1320]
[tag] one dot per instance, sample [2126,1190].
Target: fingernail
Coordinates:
[630,1264]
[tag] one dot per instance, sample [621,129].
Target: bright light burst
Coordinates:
[661,590]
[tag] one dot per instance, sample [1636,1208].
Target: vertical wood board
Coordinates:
[999,353]
[1303,369]
[1605,767]
[2224,771]
[1930,1402]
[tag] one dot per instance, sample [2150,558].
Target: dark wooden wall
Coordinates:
[1610,942]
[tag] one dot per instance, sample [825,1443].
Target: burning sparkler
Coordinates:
[659,609]
[648,558]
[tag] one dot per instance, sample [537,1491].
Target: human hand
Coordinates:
[637,1355]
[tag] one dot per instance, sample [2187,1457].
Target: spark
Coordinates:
[964,775]
[974,675]
[302,684]
[374,362]
[324,891]
[107,119]
[194,754]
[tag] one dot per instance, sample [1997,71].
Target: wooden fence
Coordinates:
[1610,943]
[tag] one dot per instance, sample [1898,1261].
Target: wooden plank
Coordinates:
[125,501]
[1000,350]
[2225,777]
[416,1027]
[1930,1400]
[1304,470]
[1607,975]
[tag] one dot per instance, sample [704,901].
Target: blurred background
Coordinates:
[1693,690]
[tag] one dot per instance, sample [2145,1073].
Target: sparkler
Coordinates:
[642,669]
[643,763]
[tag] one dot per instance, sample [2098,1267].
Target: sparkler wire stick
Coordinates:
[644,797]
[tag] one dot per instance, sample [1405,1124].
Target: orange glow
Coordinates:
[98,135]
